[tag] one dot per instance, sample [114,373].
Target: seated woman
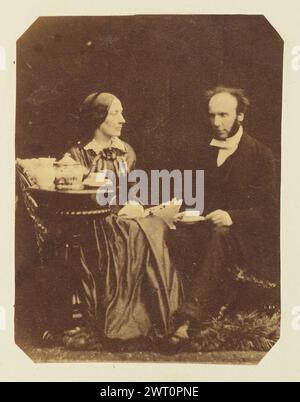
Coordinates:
[101,122]
[129,286]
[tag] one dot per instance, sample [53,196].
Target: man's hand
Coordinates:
[219,218]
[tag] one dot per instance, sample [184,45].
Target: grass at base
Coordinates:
[60,355]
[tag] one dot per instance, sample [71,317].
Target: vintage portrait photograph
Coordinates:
[148,160]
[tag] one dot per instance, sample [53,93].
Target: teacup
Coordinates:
[191,213]
[190,216]
[98,177]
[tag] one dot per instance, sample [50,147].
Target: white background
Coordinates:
[283,362]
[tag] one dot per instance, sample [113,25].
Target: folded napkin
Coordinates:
[167,211]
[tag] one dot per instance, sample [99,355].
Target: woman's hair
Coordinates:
[238,93]
[93,112]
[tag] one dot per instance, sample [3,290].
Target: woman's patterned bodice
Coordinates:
[107,159]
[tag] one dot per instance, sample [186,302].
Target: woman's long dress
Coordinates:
[129,285]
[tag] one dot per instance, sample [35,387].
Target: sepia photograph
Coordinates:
[148,177]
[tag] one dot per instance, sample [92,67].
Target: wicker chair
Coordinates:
[57,226]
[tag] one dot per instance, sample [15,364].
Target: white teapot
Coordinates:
[68,173]
[45,172]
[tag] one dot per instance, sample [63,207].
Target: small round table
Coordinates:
[65,213]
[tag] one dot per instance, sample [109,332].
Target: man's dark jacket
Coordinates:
[245,185]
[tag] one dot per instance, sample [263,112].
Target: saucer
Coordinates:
[96,184]
[189,219]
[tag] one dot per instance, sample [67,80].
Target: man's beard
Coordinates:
[234,128]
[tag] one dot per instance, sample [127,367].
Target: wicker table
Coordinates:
[63,214]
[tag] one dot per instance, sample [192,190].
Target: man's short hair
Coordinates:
[238,93]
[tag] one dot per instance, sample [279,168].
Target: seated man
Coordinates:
[240,234]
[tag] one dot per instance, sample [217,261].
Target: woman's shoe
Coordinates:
[80,339]
[51,339]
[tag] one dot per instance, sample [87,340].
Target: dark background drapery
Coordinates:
[159,66]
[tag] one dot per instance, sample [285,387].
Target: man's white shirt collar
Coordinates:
[229,143]
[228,146]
